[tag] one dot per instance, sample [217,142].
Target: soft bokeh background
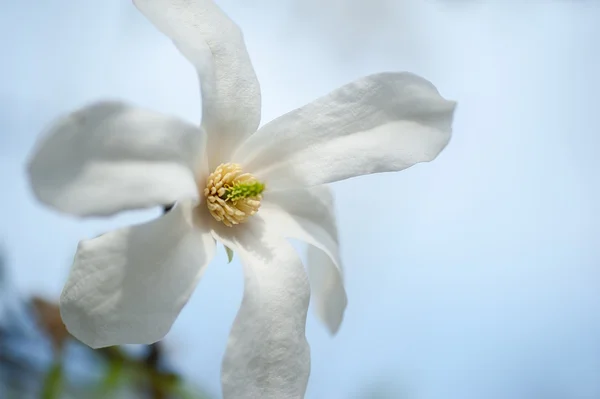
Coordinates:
[475,276]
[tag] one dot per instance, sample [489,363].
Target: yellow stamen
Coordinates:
[232,196]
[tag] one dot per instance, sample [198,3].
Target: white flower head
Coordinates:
[246,188]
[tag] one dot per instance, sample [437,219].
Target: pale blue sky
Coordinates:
[475,276]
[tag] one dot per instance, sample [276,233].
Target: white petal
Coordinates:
[267,355]
[109,157]
[380,123]
[215,45]
[128,286]
[327,286]
[308,215]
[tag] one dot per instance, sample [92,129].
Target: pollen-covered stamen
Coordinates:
[232,196]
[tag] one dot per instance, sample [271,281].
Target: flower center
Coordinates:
[232,196]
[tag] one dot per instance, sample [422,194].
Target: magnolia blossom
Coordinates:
[231,182]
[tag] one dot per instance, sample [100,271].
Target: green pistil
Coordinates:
[243,190]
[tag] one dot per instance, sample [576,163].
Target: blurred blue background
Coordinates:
[475,276]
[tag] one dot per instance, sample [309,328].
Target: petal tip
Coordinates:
[77,324]
[333,328]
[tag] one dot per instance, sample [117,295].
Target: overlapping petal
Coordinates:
[308,215]
[109,157]
[380,123]
[128,286]
[267,355]
[214,44]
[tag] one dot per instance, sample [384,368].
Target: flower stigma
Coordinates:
[232,196]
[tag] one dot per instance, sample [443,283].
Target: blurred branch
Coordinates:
[25,333]
[158,383]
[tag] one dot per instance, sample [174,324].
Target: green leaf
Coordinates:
[53,383]
[113,376]
[229,253]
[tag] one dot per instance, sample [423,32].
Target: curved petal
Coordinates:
[380,123]
[267,355]
[109,157]
[327,285]
[128,286]
[214,44]
[308,215]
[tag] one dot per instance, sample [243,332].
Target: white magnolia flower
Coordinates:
[246,188]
